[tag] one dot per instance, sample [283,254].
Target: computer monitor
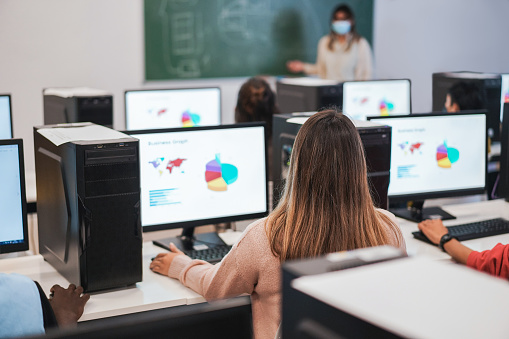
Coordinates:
[13,208]
[504,97]
[169,108]
[436,155]
[376,98]
[5,117]
[226,319]
[201,176]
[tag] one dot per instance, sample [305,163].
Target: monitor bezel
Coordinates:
[376,80]
[449,193]
[170,89]
[502,104]
[22,246]
[10,113]
[210,221]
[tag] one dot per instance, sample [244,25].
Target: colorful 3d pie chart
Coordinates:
[386,107]
[190,119]
[218,175]
[446,156]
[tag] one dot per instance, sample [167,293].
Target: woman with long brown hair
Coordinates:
[326,207]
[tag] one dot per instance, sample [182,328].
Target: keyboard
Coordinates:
[474,230]
[211,254]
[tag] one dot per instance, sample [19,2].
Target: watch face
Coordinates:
[445,238]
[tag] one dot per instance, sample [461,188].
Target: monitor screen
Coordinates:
[504,98]
[170,108]
[376,98]
[203,175]
[13,228]
[5,117]
[437,155]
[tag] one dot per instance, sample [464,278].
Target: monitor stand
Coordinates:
[417,213]
[188,241]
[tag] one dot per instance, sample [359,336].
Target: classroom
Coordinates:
[114,48]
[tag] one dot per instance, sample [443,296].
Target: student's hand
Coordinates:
[162,262]
[295,66]
[433,229]
[68,304]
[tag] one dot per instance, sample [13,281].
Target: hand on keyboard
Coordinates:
[433,230]
[474,230]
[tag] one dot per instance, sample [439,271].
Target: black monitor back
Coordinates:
[222,319]
[503,184]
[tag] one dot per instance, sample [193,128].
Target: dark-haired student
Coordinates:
[463,95]
[257,102]
[326,207]
[343,54]
[494,261]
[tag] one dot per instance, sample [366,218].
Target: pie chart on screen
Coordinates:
[190,119]
[220,175]
[446,156]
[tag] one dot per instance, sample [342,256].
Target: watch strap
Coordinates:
[445,239]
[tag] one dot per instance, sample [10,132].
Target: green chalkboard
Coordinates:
[186,39]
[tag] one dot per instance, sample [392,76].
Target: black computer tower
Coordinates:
[68,105]
[88,206]
[490,86]
[306,317]
[295,95]
[376,139]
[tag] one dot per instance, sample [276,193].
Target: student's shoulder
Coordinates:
[387,213]
[254,229]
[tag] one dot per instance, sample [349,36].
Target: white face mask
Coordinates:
[341,27]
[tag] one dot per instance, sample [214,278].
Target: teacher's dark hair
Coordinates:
[353,31]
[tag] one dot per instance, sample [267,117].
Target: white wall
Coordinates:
[99,43]
[415,38]
[93,43]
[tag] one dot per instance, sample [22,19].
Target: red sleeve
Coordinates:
[494,261]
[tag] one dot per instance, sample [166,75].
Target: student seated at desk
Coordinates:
[256,102]
[326,207]
[25,310]
[462,96]
[494,261]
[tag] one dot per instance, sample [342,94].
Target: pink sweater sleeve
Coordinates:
[494,261]
[234,275]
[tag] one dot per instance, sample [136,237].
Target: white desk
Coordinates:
[415,298]
[154,292]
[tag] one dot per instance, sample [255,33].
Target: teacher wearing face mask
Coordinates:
[343,54]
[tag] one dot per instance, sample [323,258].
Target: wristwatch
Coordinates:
[445,239]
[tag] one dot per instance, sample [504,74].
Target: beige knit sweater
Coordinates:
[251,268]
[341,64]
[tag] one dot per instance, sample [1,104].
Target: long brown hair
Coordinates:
[355,37]
[326,205]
